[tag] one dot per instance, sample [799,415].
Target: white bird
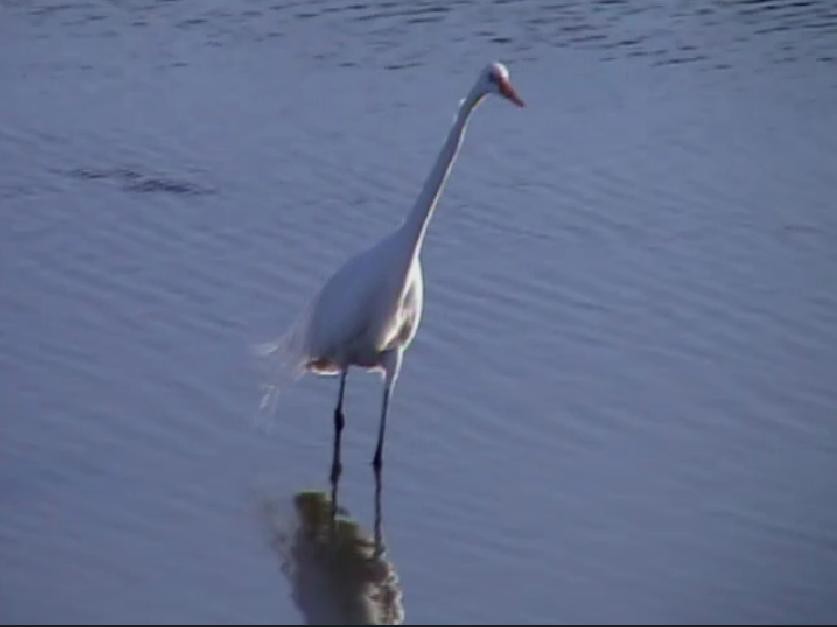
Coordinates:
[367,313]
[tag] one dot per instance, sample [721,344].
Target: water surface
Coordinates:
[621,402]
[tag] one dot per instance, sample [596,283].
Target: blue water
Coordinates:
[620,405]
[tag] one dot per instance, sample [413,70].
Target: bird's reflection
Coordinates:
[339,572]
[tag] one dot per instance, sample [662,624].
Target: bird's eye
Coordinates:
[492,77]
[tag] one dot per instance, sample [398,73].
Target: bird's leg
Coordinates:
[339,423]
[377,460]
[379,544]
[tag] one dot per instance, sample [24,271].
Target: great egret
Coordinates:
[367,313]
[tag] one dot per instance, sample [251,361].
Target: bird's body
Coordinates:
[367,313]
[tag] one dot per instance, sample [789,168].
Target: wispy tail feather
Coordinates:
[282,362]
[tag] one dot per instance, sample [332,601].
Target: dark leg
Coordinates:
[339,423]
[379,545]
[377,460]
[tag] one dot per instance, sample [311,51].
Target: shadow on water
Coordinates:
[338,571]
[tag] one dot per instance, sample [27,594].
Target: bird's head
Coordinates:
[495,80]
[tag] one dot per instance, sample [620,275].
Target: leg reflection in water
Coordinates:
[339,572]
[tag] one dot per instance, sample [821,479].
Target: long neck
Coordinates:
[416,223]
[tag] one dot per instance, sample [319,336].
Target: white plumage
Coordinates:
[368,311]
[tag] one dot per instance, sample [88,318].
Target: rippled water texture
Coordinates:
[620,405]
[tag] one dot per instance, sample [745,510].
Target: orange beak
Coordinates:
[508,91]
